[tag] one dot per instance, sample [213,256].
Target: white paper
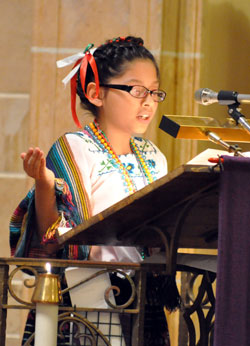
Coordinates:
[202,158]
[91,293]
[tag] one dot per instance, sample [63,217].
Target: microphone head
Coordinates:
[205,96]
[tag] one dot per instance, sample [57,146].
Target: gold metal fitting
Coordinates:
[196,127]
[47,290]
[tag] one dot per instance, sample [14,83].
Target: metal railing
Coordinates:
[81,326]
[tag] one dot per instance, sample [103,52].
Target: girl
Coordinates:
[88,171]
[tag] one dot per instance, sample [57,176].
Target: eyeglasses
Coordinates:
[138,91]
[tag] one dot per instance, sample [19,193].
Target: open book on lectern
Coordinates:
[136,220]
[204,156]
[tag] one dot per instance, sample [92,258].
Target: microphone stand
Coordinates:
[234,112]
[213,137]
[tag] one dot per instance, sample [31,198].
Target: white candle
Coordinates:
[47,296]
[46,324]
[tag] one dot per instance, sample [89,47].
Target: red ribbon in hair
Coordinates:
[87,59]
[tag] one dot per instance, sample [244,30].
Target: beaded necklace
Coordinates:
[105,145]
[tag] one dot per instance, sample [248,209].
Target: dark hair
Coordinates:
[111,59]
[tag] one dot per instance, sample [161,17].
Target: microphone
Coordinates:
[206,97]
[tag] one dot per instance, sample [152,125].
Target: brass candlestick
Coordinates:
[47,296]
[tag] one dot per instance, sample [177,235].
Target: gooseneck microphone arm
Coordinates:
[213,137]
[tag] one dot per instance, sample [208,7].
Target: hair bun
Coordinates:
[134,40]
[129,39]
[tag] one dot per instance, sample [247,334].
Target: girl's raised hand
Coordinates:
[35,167]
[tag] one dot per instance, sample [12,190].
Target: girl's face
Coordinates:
[120,111]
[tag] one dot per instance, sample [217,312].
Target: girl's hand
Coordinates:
[35,166]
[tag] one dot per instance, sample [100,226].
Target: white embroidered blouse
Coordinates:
[104,184]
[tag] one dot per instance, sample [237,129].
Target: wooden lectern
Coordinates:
[180,210]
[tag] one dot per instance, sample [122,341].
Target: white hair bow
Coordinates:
[81,61]
[71,60]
